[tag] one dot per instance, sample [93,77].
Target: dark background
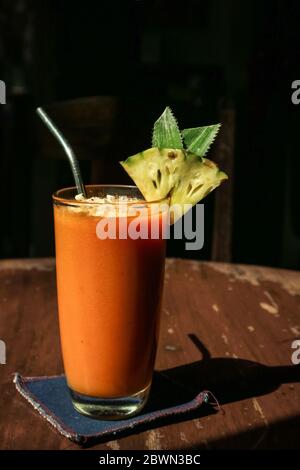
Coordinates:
[149,54]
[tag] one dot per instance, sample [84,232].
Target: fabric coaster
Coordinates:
[50,397]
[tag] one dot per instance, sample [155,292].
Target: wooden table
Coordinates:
[226,328]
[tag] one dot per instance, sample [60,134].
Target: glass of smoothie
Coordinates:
[109,284]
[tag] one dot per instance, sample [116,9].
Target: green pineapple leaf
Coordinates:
[166,132]
[199,139]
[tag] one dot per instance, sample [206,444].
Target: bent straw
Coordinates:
[67,148]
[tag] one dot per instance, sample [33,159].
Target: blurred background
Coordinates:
[106,70]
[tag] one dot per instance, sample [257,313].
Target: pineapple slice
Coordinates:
[167,169]
[198,177]
[155,171]
[185,178]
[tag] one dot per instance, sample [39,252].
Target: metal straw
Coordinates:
[67,148]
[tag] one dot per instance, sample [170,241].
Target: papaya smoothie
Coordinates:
[109,295]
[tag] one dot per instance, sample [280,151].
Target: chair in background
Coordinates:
[90,125]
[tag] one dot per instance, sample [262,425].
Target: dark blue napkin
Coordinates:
[50,397]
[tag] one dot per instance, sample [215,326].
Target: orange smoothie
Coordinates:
[109,295]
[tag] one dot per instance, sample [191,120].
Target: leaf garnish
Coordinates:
[166,132]
[199,139]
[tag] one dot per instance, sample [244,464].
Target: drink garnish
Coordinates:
[175,165]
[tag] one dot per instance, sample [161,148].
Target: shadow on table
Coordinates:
[228,379]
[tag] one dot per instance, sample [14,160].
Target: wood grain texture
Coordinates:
[226,328]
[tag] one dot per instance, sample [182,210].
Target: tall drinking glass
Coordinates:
[109,294]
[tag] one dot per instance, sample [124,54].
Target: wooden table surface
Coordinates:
[226,328]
